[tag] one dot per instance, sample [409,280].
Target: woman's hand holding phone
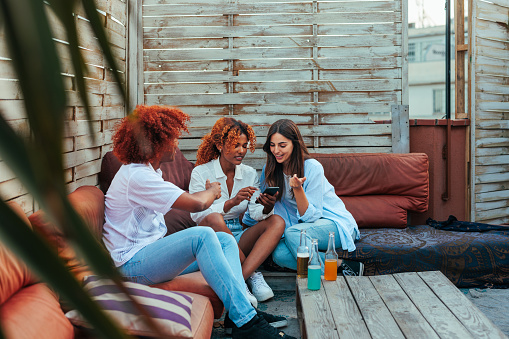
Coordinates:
[267,201]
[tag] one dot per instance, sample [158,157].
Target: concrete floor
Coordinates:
[283,303]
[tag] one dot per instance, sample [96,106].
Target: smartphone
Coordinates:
[271,190]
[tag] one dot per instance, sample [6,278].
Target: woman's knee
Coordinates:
[282,256]
[291,232]
[204,233]
[226,238]
[277,223]
[215,221]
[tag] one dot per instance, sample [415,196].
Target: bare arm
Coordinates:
[199,201]
[244,194]
[299,194]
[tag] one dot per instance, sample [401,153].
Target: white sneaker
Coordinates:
[260,289]
[251,298]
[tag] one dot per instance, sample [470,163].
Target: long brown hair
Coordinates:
[274,175]
[226,131]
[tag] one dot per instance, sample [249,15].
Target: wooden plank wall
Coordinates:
[82,157]
[324,64]
[490,111]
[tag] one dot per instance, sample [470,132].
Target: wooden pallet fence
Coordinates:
[489,111]
[324,64]
[82,155]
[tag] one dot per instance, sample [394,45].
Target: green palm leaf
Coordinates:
[48,266]
[38,160]
[64,11]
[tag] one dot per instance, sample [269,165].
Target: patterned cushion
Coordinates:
[170,310]
[468,259]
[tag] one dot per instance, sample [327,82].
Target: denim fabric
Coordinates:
[236,227]
[233,224]
[217,256]
[285,254]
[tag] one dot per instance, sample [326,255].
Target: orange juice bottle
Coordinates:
[331,260]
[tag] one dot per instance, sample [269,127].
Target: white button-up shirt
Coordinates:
[244,176]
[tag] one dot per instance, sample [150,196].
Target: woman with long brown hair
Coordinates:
[307,200]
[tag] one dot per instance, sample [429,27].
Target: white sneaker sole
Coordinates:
[264,297]
[253,301]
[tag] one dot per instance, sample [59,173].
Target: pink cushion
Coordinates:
[89,203]
[34,312]
[14,274]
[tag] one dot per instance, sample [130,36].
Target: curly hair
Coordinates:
[225,132]
[148,132]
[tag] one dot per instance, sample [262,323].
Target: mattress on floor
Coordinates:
[468,259]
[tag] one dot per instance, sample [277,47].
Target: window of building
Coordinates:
[439,101]
[411,52]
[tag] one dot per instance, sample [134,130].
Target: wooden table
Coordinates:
[404,305]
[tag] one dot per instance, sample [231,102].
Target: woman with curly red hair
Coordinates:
[219,158]
[134,229]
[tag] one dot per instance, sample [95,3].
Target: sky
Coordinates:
[434,12]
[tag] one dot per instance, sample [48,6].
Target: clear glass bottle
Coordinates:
[302,256]
[314,267]
[331,260]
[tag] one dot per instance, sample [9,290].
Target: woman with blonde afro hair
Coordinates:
[219,158]
[134,229]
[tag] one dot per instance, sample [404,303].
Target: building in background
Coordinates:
[426,72]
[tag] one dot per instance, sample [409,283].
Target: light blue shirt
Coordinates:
[323,203]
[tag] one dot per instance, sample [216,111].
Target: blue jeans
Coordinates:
[217,256]
[285,254]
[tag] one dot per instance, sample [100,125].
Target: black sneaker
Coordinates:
[258,328]
[273,320]
[352,268]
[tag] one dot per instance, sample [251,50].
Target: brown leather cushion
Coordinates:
[374,211]
[177,171]
[89,203]
[378,188]
[14,274]
[34,312]
[194,282]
